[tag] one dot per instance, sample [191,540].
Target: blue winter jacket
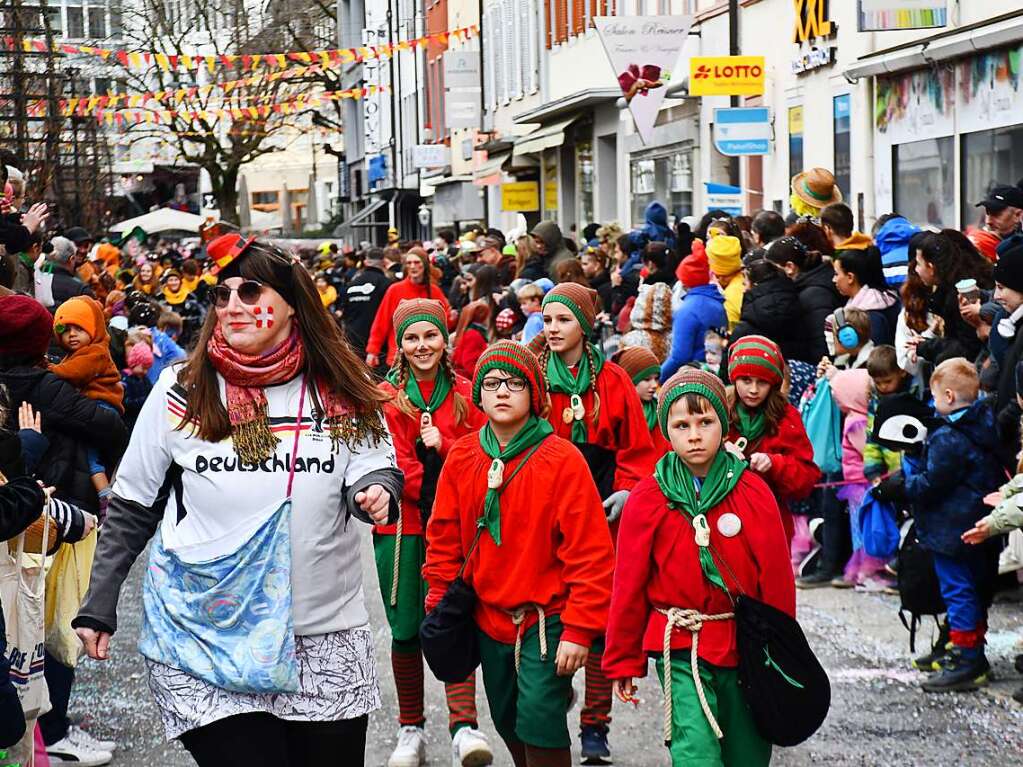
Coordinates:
[702,309]
[655,229]
[960,467]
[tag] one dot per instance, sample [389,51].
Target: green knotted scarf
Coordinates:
[561,380]
[441,389]
[751,423]
[529,438]
[650,412]
[679,486]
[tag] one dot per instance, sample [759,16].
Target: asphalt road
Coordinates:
[878,714]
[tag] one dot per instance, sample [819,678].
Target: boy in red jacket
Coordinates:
[765,428]
[700,510]
[541,568]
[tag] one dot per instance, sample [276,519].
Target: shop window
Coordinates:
[667,179]
[989,157]
[923,181]
[265,201]
[795,140]
[681,192]
[843,144]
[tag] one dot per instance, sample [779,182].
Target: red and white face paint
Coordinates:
[264,316]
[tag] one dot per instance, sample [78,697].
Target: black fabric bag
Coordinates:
[432,464]
[919,590]
[448,635]
[784,684]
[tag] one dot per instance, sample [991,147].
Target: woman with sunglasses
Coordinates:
[429,408]
[248,461]
[418,283]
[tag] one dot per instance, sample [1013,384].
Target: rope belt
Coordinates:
[518,618]
[397,559]
[692,621]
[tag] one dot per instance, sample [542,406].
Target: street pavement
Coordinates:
[878,715]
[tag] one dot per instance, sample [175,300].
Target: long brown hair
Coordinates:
[404,371]
[329,360]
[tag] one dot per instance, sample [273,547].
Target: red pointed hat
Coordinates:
[226,249]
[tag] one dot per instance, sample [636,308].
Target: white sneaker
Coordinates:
[69,751]
[411,748]
[469,748]
[82,737]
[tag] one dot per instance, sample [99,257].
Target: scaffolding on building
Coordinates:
[65,158]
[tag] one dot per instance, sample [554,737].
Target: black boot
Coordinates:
[961,671]
[594,745]
[932,660]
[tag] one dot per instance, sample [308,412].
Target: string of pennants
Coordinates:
[87,104]
[298,104]
[242,62]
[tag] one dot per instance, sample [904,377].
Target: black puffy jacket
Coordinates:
[73,424]
[818,298]
[772,309]
[959,338]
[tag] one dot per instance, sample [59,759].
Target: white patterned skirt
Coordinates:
[337,678]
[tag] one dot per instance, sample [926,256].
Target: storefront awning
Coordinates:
[550,135]
[359,219]
[964,41]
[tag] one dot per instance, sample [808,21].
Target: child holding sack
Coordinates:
[428,411]
[702,510]
[537,553]
[765,428]
[593,403]
[642,366]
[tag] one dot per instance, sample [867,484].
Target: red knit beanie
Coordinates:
[756,357]
[516,359]
[25,327]
[582,301]
[412,310]
[695,269]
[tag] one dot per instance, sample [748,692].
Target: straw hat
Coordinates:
[816,187]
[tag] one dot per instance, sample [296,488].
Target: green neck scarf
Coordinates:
[679,487]
[650,411]
[529,437]
[752,423]
[441,389]
[561,380]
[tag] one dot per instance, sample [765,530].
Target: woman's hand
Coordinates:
[29,419]
[35,217]
[993,499]
[970,312]
[372,360]
[624,690]
[979,533]
[97,643]
[571,657]
[375,502]
[616,277]
[760,462]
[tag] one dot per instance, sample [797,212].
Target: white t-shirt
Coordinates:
[216,502]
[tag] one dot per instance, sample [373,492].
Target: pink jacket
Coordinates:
[851,390]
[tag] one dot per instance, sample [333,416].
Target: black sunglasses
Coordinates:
[249,292]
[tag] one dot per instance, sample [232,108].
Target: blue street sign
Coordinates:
[742,131]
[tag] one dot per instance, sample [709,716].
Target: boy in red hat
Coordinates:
[537,553]
[702,510]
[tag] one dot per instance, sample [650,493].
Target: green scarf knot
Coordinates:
[679,486]
[441,389]
[529,437]
[561,380]
[751,423]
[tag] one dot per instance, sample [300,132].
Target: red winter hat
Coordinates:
[695,269]
[25,327]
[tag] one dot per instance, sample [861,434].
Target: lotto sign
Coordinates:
[726,76]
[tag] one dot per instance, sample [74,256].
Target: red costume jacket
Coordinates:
[793,473]
[405,431]
[659,567]
[621,427]
[555,545]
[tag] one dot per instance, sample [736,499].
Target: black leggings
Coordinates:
[263,740]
